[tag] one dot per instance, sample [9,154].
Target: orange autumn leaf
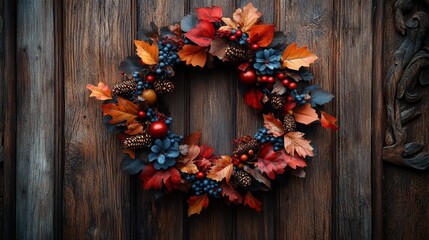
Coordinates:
[294,142]
[122,111]
[232,195]
[130,152]
[328,121]
[100,92]
[147,52]
[252,202]
[193,138]
[305,114]
[223,168]
[193,55]
[197,203]
[274,126]
[134,128]
[187,164]
[294,57]
[262,34]
[244,18]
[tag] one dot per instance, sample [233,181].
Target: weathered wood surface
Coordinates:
[97,36]
[63,146]
[35,118]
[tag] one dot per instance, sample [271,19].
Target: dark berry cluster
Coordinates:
[207,185]
[263,137]
[299,98]
[167,57]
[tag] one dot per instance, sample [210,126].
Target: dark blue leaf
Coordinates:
[148,34]
[131,166]
[165,31]
[188,22]
[279,40]
[129,65]
[110,127]
[305,74]
[318,95]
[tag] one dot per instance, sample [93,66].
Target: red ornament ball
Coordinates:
[200,175]
[150,78]
[233,38]
[248,77]
[271,79]
[255,47]
[285,83]
[280,76]
[239,33]
[141,114]
[158,129]
[292,86]
[244,157]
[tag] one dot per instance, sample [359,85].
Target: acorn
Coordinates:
[243,178]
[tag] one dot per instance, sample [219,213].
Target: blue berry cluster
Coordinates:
[299,98]
[174,137]
[263,137]
[242,39]
[140,84]
[151,115]
[207,185]
[167,57]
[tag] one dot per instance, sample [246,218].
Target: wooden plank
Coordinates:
[212,104]
[97,36]
[377,122]
[9,128]
[353,55]
[305,205]
[163,218]
[35,120]
[250,224]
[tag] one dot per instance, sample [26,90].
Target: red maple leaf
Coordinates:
[202,34]
[232,195]
[270,162]
[205,152]
[155,179]
[210,14]
[253,98]
[292,161]
[197,203]
[252,202]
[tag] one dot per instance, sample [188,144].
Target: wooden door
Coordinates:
[60,168]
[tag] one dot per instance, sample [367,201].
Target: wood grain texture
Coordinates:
[212,100]
[35,120]
[304,206]
[97,36]
[163,218]
[250,224]
[8,140]
[2,111]
[405,191]
[353,81]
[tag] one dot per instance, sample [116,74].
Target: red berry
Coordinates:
[280,76]
[248,40]
[236,162]
[244,157]
[248,77]
[141,114]
[250,152]
[255,47]
[271,79]
[289,98]
[158,129]
[200,175]
[292,86]
[150,78]
[264,78]
[285,82]
[239,33]
[233,38]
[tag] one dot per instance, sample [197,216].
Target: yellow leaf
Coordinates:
[100,92]
[223,168]
[193,55]
[244,18]
[147,52]
[294,142]
[294,58]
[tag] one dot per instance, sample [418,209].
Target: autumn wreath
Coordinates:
[276,78]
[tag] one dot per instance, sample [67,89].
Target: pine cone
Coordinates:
[243,178]
[124,88]
[245,144]
[278,101]
[163,86]
[138,141]
[289,124]
[238,54]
